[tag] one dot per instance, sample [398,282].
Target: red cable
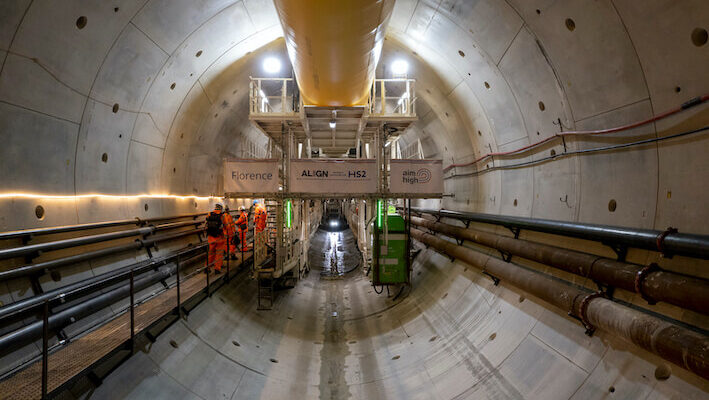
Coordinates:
[685,106]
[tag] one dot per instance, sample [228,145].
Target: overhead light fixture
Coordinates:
[334,223]
[399,67]
[387,144]
[271,65]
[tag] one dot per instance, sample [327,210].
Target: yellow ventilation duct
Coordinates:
[334,46]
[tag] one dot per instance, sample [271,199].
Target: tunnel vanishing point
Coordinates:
[421,199]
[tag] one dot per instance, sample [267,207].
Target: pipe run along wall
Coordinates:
[653,284]
[678,345]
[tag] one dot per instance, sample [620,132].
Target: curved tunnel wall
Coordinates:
[160,87]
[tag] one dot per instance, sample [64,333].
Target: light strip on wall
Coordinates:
[102,196]
[379,213]
[288,213]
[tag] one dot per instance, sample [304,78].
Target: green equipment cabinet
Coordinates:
[391,263]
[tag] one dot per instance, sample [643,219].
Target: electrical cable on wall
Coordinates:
[585,151]
[685,106]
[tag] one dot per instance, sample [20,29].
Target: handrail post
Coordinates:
[206,270]
[132,311]
[177,276]
[384,101]
[45,349]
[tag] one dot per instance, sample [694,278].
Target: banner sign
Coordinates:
[251,176]
[416,176]
[333,176]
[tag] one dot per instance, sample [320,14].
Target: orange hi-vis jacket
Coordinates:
[243,222]
[260,216]
[229,226]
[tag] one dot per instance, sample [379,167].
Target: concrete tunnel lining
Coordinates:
[483,69]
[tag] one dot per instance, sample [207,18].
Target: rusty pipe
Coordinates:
[673,343]
[652,284]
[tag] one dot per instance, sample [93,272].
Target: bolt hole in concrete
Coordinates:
[699,37]
[539,11]
[433,338]
[570,24]
[115,108]
[81,22]
[199,53]
[460,52]
[612,205]
[487,85]
[514,203]
[235,343]
[104,157]
[480,133]
[552,152]
[56,276]
[115,9]
[39,212]
[352,342]
[663,372]
[542,107]
[396,357]
[611,389]
[678,89]
[521,299]
[493,335]
[174,344]
[172,87]
[146,206]
[174,170]
[273,360]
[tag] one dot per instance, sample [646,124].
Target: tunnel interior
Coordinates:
[127,110]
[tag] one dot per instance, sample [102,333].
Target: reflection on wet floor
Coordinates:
[334,253]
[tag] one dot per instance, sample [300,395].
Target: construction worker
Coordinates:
[216,237]
[260,215]
[243,224]
[231,233]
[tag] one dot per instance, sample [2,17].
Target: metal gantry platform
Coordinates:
[277,109]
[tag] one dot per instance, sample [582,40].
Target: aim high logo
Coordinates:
[411,177]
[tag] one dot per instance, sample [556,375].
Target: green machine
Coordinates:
[391,262]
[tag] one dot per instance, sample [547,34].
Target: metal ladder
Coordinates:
[271,221]
[265,289]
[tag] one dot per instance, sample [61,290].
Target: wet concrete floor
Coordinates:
[334,254]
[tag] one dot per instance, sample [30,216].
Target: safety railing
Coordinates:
[413,150]
[392,97]
[273,96]
[139,276]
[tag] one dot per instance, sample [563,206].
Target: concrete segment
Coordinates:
[455,335]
